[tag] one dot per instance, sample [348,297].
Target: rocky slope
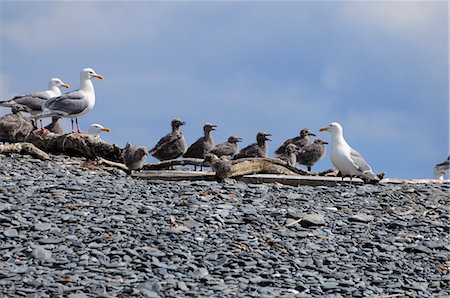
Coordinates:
[69,229]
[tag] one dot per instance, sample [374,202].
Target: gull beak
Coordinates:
[326,143]
[239,139]
[323,129]
[183,123]
[311,134]
[266,137]
[65,86]
[98,76]
[106,129]
[213,127]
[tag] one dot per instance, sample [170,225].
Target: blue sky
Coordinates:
[379,68]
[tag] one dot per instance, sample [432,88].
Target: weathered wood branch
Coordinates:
[24,148]
[102,161]
[267,165]
[76,144]
[167,164]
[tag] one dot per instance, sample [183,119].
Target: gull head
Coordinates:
[209,126]
[234,139]
[292,148]
[262,136]
[210,158]
[334,128]
[177,123]
[89,73]
[306,132]
[95,129]
[55,82]
[320,142]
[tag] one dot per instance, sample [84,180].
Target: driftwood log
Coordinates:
[24,148]
[76,144]
[16,128]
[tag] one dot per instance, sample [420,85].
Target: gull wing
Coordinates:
[166,141]
[70,103]
[359,161]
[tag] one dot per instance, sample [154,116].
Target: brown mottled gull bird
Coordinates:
[75,103]
[289,155]
[258,149]
[55,126]
[203,145]
[300,141]
[312,153]
[14,127]
[346,159]
[221,166]
[172,145]
[134,156]
[227,149]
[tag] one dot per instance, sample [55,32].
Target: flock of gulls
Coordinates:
[301,149]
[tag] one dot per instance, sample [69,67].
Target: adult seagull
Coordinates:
[32,103]
[346,159]
[75,103]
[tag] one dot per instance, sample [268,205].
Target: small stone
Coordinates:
[77,295]
[42,226]
[199,272]
[418,249]
[41,253]
[360,217]
[182,286]
[313,220]
[329,285]
[11,233]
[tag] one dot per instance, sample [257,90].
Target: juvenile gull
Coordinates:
[289,155]
[75,103]
[258,149]
[95,129]
[32,103]
[440,170]
[312,153]
[55,126]
[346,159]
[221,166]
[14,127]
[300,141]
[171,146]
[227,149]
[203,145]
[134,156]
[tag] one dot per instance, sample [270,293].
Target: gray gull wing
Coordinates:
[71,103]
[32,102]
[165,141]
[361,165]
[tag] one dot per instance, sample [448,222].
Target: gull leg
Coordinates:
[78,127]
[71,121]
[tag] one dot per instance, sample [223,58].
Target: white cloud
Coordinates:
[401,19]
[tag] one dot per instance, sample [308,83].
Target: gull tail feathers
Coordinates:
[371,176]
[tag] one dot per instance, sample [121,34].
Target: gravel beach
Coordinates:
[69,229]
